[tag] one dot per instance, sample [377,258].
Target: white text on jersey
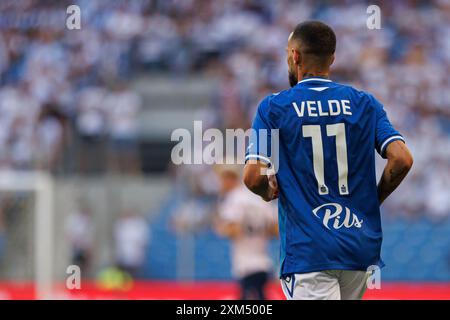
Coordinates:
[333,212]
[330,108]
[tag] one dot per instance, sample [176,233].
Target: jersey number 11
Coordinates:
[337,130]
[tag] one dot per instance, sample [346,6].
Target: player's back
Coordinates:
[328,206]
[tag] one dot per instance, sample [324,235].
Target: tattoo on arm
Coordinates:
[396,175]
[390,180]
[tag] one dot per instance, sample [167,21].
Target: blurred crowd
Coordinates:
[64,93]
[62,88]
[130,237]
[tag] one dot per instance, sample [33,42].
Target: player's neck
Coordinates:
[313,74]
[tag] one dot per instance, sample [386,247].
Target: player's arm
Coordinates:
[399,163]
[257,158]
[226,220]
[261,184]
[272,230]
[230,230]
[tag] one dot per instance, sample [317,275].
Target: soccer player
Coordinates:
[250,223]
[329,201]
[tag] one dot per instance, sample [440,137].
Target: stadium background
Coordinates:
[95,109]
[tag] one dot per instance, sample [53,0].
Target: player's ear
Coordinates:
[332,59]
[297,57]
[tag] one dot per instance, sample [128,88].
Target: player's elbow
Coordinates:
[408,161]
[403,162]
[400,156]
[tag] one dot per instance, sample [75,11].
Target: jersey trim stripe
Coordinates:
[386,142]
[315,79]
[258,157]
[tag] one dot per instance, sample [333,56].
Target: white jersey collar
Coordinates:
[315,79]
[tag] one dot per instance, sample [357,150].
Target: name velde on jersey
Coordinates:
[315,108]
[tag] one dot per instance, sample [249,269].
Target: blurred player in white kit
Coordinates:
[250,223]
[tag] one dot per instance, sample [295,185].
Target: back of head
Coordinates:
[315,39]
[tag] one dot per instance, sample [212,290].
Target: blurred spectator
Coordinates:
[131,237]
[123,107]
[229,102]
[80,231]
[198,189]
[49,138]
[91,123]
[250,223]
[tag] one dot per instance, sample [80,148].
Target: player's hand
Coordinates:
[272,190]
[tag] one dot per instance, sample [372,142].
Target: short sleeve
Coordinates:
[385,133]
[259,147]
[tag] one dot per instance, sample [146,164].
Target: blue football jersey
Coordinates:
[329,215]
